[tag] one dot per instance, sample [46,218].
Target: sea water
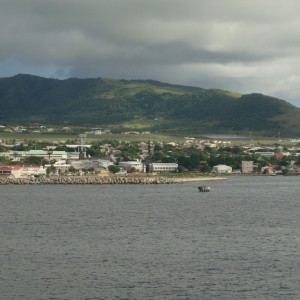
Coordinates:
[239,241]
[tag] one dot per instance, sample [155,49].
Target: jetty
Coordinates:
[87,180]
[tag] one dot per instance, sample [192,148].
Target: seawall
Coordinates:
[88,180]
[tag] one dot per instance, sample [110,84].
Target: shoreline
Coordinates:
[117,180]
[104,180]
[85,180]
[200,178]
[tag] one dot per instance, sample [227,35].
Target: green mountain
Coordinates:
[142,105]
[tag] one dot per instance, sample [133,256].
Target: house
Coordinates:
[21,171]
[269,169]
[9,171]
[222,169]
[282,154]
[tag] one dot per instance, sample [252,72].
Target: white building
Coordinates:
[163,167]
[104,163]
[222,169]
[32,170]
[60,165]
[247,166]
[90,164]
[57,155]
[129,165]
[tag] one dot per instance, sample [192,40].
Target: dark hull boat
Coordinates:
[204,188]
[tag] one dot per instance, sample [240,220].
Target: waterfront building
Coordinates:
[138,166]
[90,164]
[247,166]
[222,169]
[22,171]
[163,167]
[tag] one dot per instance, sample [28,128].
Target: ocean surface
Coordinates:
[239,241]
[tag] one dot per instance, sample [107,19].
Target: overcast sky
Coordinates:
[239,45]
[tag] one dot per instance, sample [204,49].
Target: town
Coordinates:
[108,157]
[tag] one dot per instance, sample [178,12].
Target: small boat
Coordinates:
[204,188]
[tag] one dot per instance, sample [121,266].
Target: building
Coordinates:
[60,166]
[32,170]
[265,153]
[163,167]
[22,171]
[90,164]
[138,166]
[17,155]
[247,166]
[10,171]
[57,155]
[222,169]
[103,163]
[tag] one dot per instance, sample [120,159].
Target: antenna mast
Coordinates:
[82,149]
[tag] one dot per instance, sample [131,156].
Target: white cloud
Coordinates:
[245,46]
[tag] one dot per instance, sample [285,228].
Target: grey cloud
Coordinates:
[235,45]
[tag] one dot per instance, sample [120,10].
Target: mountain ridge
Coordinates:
[142,104]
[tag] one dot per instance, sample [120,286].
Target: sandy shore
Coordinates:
[200,178]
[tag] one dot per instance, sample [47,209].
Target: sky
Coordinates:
[246,46]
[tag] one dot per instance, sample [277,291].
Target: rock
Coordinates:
[87,180]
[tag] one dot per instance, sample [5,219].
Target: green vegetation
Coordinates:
[194,157]
[122,105]
[114,169]
[72,138]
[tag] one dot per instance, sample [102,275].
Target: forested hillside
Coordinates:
[146,105]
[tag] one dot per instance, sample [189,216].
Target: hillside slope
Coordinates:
[147,105]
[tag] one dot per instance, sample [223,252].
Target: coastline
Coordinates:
[200,178]
[87,180]
[105,180]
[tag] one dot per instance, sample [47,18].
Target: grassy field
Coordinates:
[90,138]
[71,137]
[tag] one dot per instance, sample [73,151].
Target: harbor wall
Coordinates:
[87,180]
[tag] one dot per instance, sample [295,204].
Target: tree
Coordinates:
[205,168]
[130,152]
[50,170]
[133,170]
[19,148]
[114,169]
[72,170]
[34,160]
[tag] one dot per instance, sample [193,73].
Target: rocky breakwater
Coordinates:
[87,180]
